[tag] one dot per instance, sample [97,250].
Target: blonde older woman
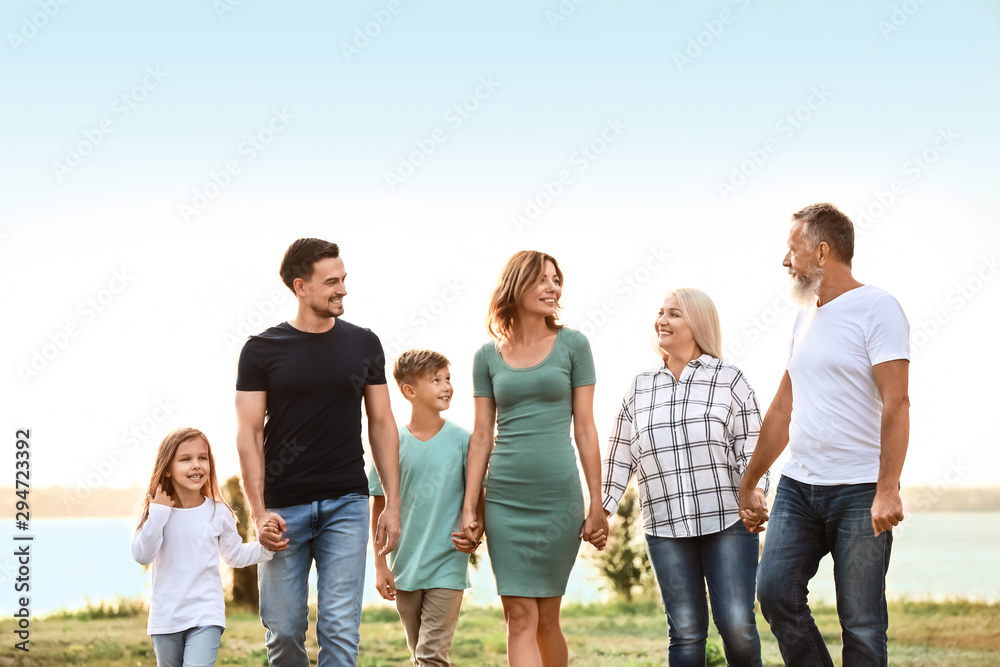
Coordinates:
[687,429]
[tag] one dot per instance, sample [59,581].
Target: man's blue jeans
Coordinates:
[728,562]
[335,534]
[807,522]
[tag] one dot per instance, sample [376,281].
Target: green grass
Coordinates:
[121,607]
[635,635]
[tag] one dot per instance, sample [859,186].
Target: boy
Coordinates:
[428,572]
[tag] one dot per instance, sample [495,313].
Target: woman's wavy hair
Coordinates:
[165,456]
[703,318]
[521,272]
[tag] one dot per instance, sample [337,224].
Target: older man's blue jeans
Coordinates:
[807,522]
[728,562]
[334,533]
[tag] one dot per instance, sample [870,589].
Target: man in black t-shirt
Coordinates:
[303,466]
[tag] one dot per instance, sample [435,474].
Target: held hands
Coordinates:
[595,528]
[161,498]
[471,532]
[466,543]
[384,582]
[753,509]
[269,532]
[887,511]
[270,527]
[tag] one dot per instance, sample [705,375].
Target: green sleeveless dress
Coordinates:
[534,500]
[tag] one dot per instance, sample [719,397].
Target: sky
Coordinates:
[158,160]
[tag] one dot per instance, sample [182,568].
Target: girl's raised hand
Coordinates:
[161,498]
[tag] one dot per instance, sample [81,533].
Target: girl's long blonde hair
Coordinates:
[703,318]
[165,456]
[520,273]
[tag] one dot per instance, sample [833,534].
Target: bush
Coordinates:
[714,655]
[245,591]
[121,607]
[624,562]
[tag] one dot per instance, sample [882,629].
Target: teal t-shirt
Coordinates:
[431,489]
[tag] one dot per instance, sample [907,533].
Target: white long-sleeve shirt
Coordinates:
[184,544]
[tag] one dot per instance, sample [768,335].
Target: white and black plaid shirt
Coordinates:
[689,441]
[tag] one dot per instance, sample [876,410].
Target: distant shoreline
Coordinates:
[60,502]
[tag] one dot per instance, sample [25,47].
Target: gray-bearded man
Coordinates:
[847,431]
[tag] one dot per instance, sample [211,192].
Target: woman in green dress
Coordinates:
[529,386]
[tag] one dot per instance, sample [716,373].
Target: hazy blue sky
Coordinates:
[157,161]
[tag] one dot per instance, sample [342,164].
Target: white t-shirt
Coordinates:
[184,544]
[835,432]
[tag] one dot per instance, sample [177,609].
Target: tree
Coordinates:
[245,590]
[624,562]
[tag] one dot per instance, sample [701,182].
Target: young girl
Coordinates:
[185,524]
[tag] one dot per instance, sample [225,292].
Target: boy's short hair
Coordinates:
[414,364]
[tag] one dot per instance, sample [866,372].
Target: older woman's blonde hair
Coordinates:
[521,272]
[701,315]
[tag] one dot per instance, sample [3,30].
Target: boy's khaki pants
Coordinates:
[429,618]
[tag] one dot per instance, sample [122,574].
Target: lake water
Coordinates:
[934,556]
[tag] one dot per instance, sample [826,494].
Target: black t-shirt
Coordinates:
[315,385]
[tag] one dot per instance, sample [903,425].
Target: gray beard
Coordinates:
[805,288]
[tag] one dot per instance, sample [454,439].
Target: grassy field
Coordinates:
[920,633]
